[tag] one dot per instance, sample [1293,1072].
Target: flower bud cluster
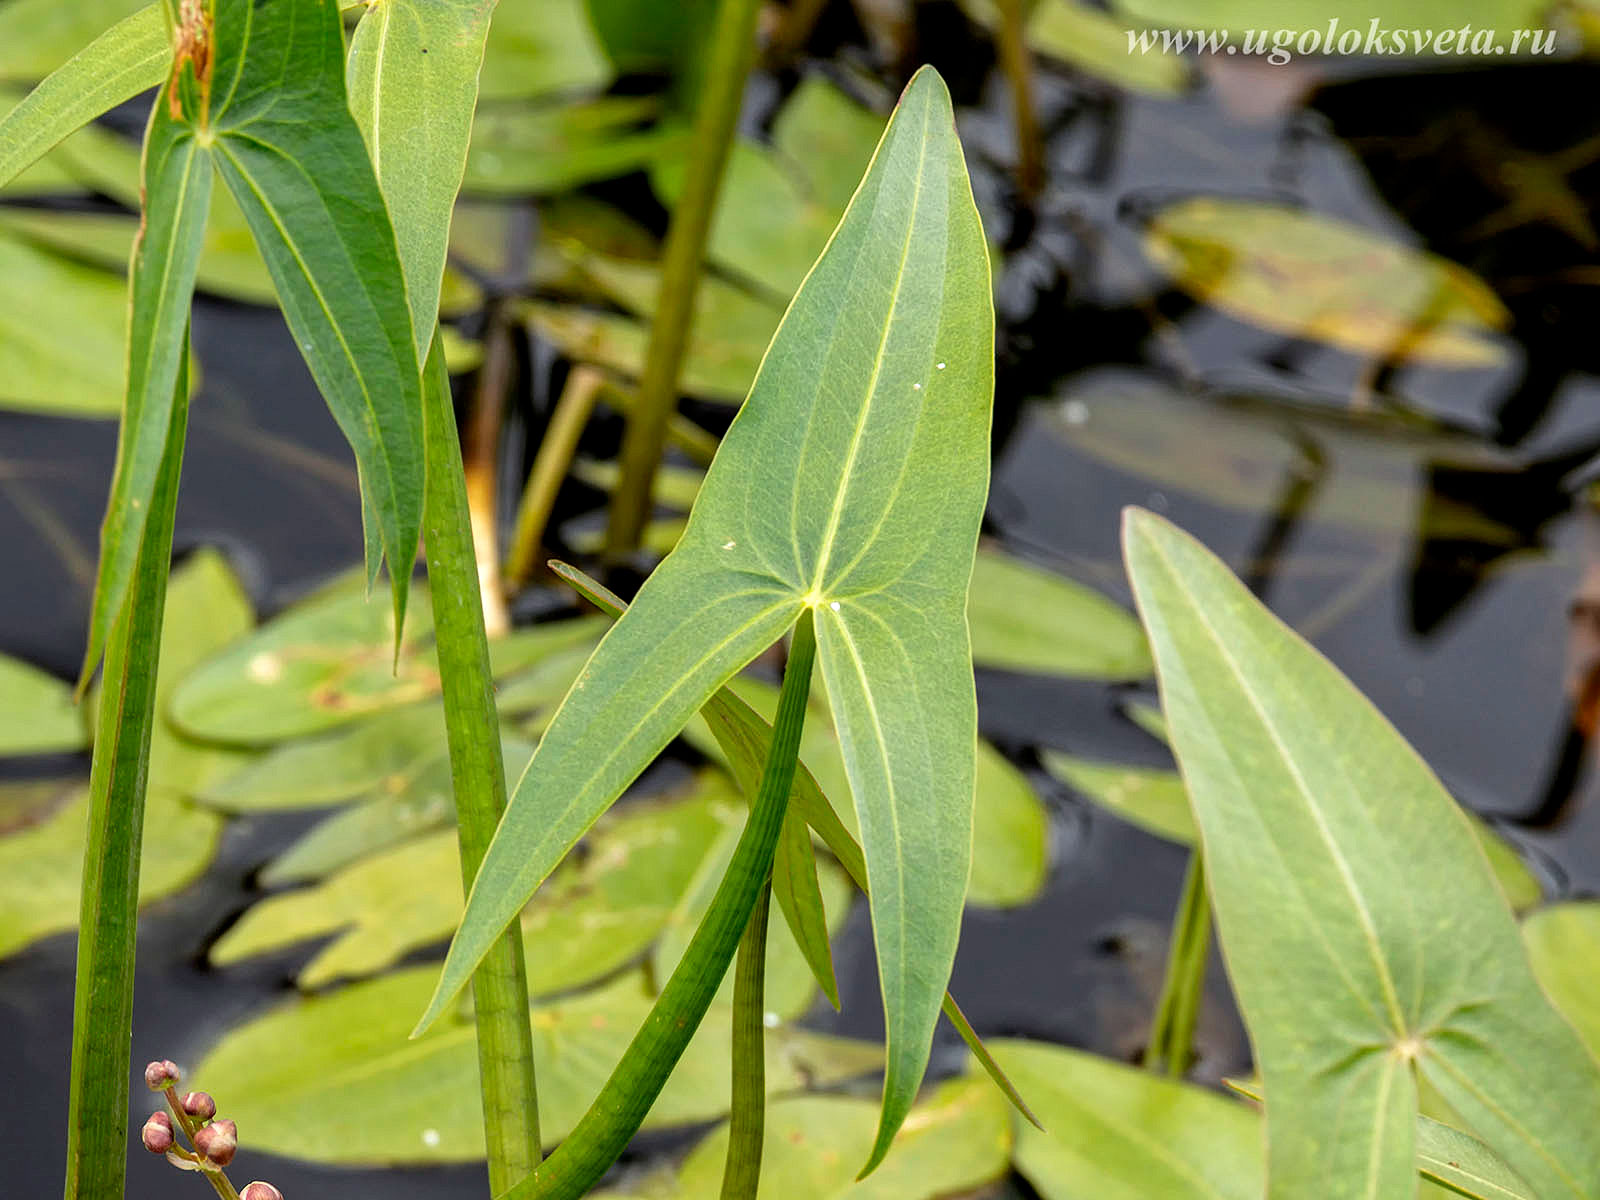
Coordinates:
[214,1141]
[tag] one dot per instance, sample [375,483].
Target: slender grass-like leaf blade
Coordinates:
[851,482]
[1364,933]
[122,62]
[166,256]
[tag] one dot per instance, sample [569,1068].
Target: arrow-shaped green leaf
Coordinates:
[290,152]
[852,482]
[1364,933]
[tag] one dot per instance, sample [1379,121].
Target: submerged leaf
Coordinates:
[1311,276]
[1366,939]
[384,1098]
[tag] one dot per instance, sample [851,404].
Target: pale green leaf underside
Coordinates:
[37,715]
[853,480]
[1363,930]
[412,76]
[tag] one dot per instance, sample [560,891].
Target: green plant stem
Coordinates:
[550,467]
[500,985]
[1015,61]
[1171,1044]
[727,65]
[108,912]
[741,1174]
[616,1114]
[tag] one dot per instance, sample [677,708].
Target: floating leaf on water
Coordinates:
[328,661]
[37,715]
[1119,1133]
[41,855]
[1243,452]
[596,914]
[1316,277]
[955,1140]
[727,339]
[325,662]
[382,756]
[779,204]
[1024,618]
[1564,945]
[384,1098]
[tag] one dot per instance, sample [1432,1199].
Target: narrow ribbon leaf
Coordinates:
[1364,932]
[166,256]
[413,83]
[294,160]
[119,64]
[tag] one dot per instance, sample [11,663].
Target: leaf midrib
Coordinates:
[825,553]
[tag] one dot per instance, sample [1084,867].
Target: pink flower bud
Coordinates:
[217,1142]
[157,1133]
[200,1104]
[260,1191]
[159,1076]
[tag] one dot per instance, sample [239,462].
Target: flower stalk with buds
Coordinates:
[214,1141]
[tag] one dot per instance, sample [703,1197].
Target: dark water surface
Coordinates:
[1470,651]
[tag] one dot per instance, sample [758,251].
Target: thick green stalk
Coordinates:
[727,65]
[741,1174]
[500,986]
[108,912]
[1016,63]
[1171,1044]
[616,1114]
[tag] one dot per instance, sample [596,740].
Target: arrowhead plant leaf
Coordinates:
[275,117]
[851,483]
[1367,941]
